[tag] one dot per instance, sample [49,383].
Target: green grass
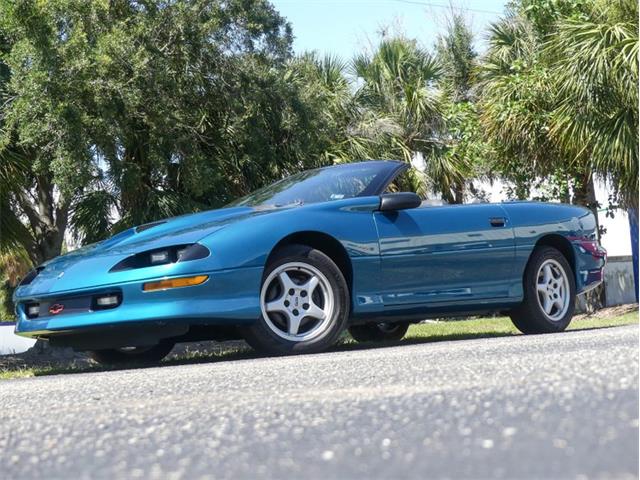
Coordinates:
[189,358]
[421,333]
[500,327]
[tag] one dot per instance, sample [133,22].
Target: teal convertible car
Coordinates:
[291,266]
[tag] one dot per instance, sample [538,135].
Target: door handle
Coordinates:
[497,221]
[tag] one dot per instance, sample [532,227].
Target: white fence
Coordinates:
[618,281]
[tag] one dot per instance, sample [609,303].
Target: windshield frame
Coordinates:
[388,170]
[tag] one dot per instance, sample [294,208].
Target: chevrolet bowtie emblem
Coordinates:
[56,308]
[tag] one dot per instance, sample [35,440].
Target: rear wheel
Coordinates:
[125,355]
[549,294]
[379,332]
[304,301]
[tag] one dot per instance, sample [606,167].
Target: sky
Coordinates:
[347,27]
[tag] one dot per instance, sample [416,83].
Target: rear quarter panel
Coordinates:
[531,221]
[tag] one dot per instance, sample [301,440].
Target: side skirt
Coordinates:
[419,314]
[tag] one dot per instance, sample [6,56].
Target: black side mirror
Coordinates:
[390,202]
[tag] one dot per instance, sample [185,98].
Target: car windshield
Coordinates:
[322,185]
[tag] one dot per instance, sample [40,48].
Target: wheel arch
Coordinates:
[561,244]
[323,242]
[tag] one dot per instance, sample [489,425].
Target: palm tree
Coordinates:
[560,98]
[595,66]
[13,232]
[465,145]
[326,90]
[564,102]
[401,113]
[516,96]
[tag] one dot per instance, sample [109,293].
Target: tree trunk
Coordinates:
[584,194]
[136,183]
[458,193]
[565,195]
[47,218]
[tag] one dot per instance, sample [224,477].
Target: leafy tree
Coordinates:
[456,54]
[134,110]
[559,96]
[39,124]
[595,66]
[462,134]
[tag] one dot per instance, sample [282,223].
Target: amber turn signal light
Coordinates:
[175,283]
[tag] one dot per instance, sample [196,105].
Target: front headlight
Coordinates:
[162,256]
[158,258]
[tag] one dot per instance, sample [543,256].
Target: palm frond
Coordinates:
[13,232]
[595,67]
[91,216]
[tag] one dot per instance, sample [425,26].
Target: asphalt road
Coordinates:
[552,406]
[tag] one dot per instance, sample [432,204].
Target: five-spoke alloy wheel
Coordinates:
[553,289]
[304,300]
[549,293]
[297,301]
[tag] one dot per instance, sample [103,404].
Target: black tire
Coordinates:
[135,355]
[379,332]
[529,316]
[261,336]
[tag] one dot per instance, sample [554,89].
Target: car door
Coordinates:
[445,254]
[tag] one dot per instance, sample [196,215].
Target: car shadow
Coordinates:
[246,353]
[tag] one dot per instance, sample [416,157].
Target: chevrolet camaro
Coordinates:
[292,265]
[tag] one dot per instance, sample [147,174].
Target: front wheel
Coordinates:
[379,332]
[549,293]
[132,355]
[304,301]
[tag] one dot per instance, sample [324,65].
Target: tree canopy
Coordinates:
[116,113]
[560,96]
[137,110]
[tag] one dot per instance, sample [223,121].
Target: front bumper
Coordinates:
[228,297]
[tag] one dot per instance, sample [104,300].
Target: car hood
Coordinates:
[173,231]
[89,266]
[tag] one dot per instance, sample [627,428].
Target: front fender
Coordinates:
[249,243]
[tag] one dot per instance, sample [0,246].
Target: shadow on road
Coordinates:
[245,353]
